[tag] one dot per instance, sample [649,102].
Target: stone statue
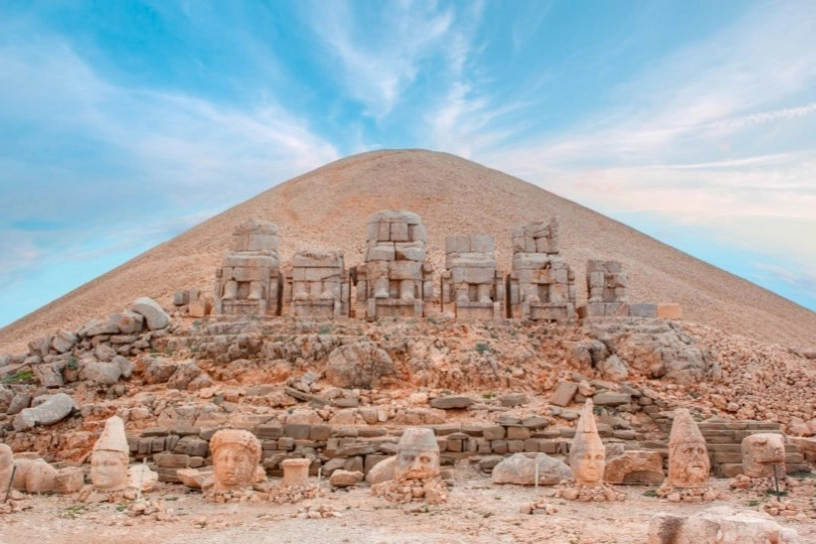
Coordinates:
[689,465]
[587,455]
[417,455]
[6,466]
[236,454]
[471,286]
[761,453]
[109,460]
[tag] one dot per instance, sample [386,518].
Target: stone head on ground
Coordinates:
[689,465]
[763,454]
[417,455]
[236,454]
[109,460]
[587,455]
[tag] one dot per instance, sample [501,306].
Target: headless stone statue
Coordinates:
[587,455]
[109,460]
[236,454]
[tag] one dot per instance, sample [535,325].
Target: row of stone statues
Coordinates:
[396,279]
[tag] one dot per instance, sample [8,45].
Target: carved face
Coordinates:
[690,464]
[109,470]
[234,466]
[588,466]
[413,464]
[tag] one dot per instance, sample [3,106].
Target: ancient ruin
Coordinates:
[318,286]
[763,456]
[396,278]
[472,288]
[415,470]
[236,454]
[541,285]
[109,461]
[249,281]
[689,465]
[587,457]
[606,290]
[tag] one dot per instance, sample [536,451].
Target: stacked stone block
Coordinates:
[541,285]
[396,278]
[606,289]
[471,286]
[318,286]
[249,281]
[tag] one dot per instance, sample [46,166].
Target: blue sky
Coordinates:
[123,123]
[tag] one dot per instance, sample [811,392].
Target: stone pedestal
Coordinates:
[295,471]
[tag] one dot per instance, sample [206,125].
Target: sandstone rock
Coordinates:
[185,373]
[614,369]
[18,403]
[64,341]
[382,471]
[125,366]
[55,409]
[519,469]
[6,396]
[345,478]
[127,322]
[155,316]
[564,393]
[49,374]
[512,400]
[361,364]
[194,478]
[104,353]
[69,480]
[608,398]
[635,467]
[721,525]
[101,373]
[451,402]
[158,371]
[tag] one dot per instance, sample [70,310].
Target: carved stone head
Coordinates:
[109,460]
[689,465]
[236,454]
[587,455]
[761,453]
[417,455]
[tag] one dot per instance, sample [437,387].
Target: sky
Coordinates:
[124,123]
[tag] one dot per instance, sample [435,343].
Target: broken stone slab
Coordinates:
[155,316]
[195,478]
[513,399]
[608,398]
[53,410]
[345,478]
[723,525]
[564,393]
[451,402]
[520,469]
[635,467]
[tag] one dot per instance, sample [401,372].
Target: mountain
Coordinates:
[328,208]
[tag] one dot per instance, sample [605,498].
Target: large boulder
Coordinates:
[53,410]
[155,316]
[520,469]
[720,525]
[635,467]
[101,373]
[361,364]
[382,471]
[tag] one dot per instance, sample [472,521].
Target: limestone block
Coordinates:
[417,232]
[643,310]
[635,467]
[154,314]
[723,525]
[49,375]
[53,410]
[669,311]
[608,398]
[181,298]
[127,322]
[564,393]
[534,261]
[520,469]
[101,373]
[405,270]
[399,232]
[410,251]
[200,308]
[381,252]
[243,260]
[451,402]
[318,259]
[482,243]
[251,273]
[63,341]
[457,244]
[345,478]
[69,480]
[295,471]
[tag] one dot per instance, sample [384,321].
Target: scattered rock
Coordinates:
[155,316]
[520,469]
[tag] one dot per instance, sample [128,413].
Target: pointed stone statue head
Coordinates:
[109,460]
[689,465]
[587,455]
[236,454]
[417,455]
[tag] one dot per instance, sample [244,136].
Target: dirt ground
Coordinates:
[476,512]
